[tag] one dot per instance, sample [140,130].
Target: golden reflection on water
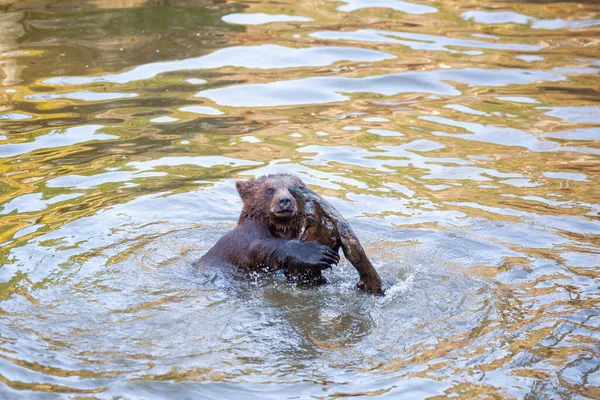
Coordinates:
[460,138]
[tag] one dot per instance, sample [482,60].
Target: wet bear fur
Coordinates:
[267,234]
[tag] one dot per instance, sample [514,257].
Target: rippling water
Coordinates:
[461,139]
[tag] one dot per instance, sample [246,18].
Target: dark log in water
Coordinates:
[326,225]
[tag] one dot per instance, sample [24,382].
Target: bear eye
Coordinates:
[270,191]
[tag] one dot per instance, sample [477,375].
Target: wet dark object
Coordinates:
[325,224]
[266,237]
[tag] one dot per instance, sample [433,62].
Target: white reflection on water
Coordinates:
[34,202]
[140,169]
[56,138]
[590,115]
[505,17]
[504,136]
[418,41]
[398,5]
[327,90]
[84,95]
[15,116]
[201,110]
[262,18]
[265,56]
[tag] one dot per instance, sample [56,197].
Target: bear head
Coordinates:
[268,200]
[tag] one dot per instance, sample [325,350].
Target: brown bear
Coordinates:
[267,233]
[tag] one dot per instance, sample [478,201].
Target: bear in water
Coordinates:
[266,237]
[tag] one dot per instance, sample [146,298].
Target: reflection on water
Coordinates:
[417,41]
[265,56]
[460,140]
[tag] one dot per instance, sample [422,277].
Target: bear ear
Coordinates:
[243,187]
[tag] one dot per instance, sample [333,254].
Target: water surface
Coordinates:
[461,141]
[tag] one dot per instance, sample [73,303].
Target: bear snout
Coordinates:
[284,205]
[285,202]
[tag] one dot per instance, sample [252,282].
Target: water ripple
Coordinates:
[262,18]
[56,138]
[266,56]
[504,17]
[327,90]
[417,41]
[459,140]
[398,5]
